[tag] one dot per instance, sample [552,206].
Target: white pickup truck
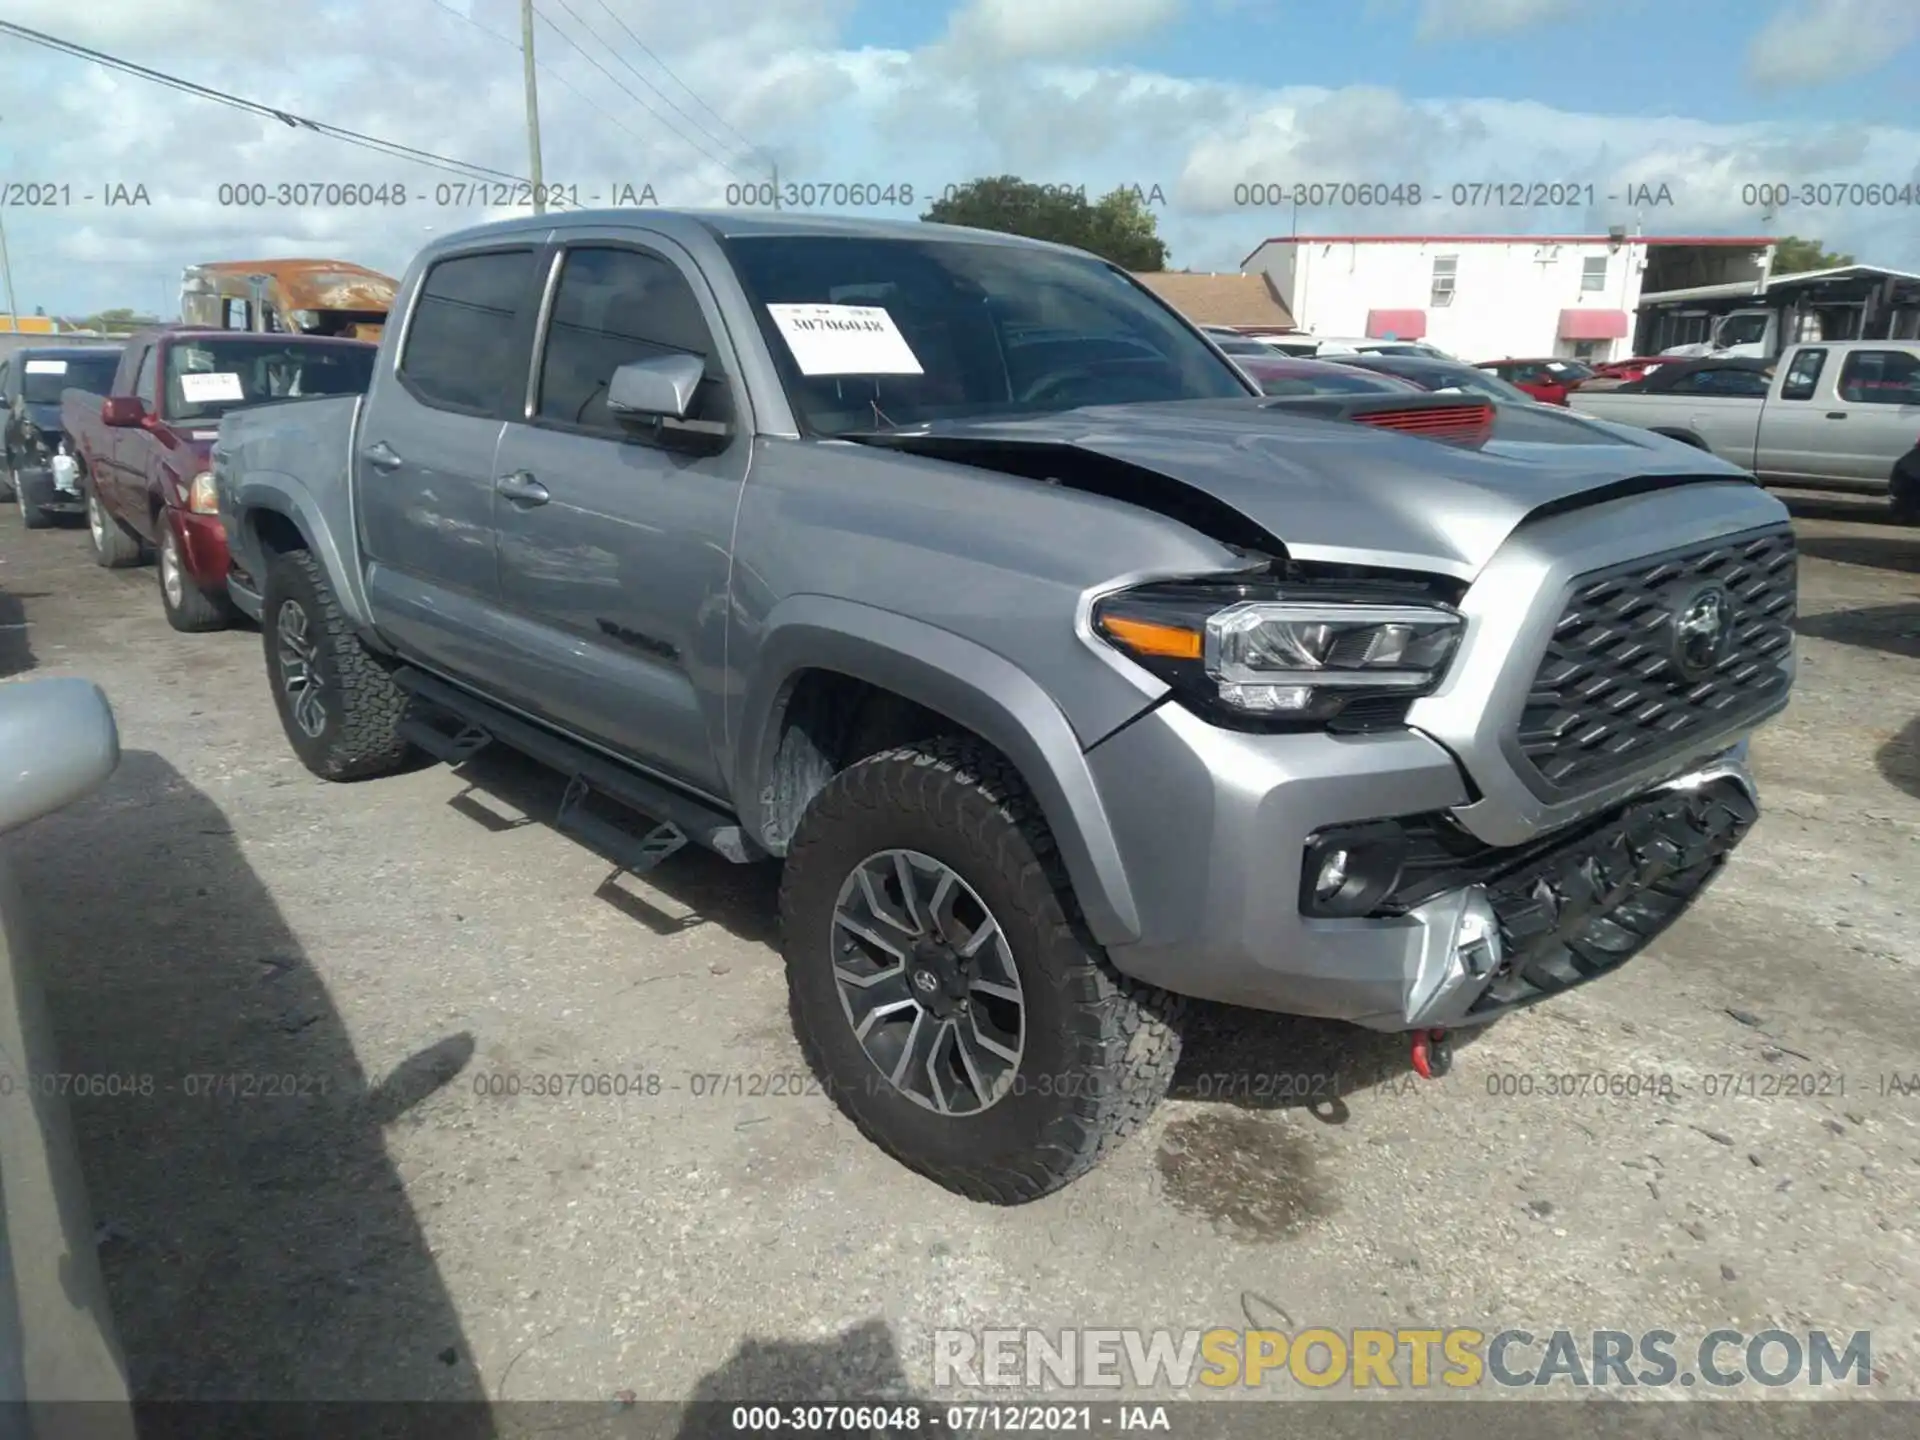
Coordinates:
[1838,415]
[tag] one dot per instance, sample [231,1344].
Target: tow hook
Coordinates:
[1432,1053]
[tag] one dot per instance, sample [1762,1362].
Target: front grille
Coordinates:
[1609,696]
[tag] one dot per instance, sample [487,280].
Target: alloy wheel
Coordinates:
[97,522]
[300,676]
[927,981]
[172,578]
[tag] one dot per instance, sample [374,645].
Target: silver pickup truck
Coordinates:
[1840,415]
[1067,674]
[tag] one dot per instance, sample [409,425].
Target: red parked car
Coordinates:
[1621,372]
[143,450]
[1548,381]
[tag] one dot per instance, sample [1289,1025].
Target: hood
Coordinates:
[1327,490]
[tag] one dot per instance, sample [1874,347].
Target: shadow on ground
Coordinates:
[256,1240]
[506,790]
[1899,759]
[1893,629]
[16,636]
[1889,546]
[1246,1058]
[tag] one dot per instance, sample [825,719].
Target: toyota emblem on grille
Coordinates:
[1700,623]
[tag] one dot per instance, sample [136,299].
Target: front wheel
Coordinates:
[338,703]
[188,608]
[943,984]
[1906,498]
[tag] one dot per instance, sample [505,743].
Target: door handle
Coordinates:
[382,456]
[1836,414]
[522,487]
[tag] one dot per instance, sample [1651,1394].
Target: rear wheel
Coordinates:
[338,703]
[187,606]
[114,546]
[943,984]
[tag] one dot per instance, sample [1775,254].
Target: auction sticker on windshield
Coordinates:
[46,367]
[201,389]
[844,340]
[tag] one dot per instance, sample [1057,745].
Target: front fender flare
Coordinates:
[969,684]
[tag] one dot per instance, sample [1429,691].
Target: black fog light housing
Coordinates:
[1348,871]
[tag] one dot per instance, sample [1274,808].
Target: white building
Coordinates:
[1490,297]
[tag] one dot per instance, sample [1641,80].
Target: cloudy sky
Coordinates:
[1200,98]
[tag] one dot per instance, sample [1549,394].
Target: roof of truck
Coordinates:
[741,224]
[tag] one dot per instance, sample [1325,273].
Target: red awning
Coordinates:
[1396,324]
[1594,325]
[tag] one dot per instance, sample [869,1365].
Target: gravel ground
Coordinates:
[388,1230]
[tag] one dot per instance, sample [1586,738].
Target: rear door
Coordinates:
[1796,431]
[614,564]
[1878,394]
[424,454]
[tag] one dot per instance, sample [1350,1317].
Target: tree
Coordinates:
[120,318]
[1793,255]
[1118,227]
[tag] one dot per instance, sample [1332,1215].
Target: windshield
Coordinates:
[871,332]
[207,378]
[44,377]
[1741,330]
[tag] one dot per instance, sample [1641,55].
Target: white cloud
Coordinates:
[1055,29]
[1464,19]
[785,79]
[1814,42]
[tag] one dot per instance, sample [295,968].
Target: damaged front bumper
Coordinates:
[1536,920]
[1224,835]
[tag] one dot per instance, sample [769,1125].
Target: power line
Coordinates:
[546,70]
[647,50]
[391,148]
[671,128]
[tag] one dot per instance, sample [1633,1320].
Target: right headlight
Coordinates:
[1280,652]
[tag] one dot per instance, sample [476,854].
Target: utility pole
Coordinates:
[776,184]
[6,266]
[533,104]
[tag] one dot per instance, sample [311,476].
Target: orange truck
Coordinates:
[302,297]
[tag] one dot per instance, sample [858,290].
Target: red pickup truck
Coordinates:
[144,449]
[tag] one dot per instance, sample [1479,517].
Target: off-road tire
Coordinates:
[1100,1049]
[363,706]
[198,612]
[114,546]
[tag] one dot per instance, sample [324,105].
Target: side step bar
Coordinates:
[677,818]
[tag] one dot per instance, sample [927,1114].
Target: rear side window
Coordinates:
[1881,377]
[1803,375]
[615,306]
[460,338]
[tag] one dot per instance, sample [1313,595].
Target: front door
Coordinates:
[425,456]
[614,549]
[1794,430]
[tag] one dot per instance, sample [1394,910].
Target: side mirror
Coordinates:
[60,742]
[652,389]
[122,411]
[654,396]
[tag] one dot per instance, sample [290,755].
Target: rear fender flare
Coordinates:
[969,684]
[281,494]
